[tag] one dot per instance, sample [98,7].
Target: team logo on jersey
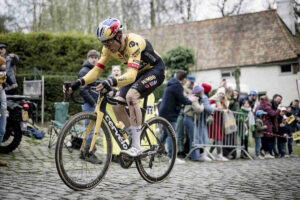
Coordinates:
[148,79]
[136,53]
[133,43]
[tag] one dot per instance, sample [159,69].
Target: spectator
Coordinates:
[11,70]
[276,101]
[116,71]
[295,125]
[171,103]
[207,88]
[189,111]
[283,132]
[183,147]
[219,102]
[268,139]
[251,99]
[202,124]
[247,125]
[3,80]
[234,101]
[90,100]
[259,132]
[3,107]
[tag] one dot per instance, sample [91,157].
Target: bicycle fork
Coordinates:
[99,119]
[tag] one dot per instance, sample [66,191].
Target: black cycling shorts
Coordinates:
[146,82]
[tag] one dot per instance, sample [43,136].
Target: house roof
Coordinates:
[240,40]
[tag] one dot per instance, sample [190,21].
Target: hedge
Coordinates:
[53,52]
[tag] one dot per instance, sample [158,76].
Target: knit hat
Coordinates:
[207,88]
[94,53]
[2,61]
[3,45]
[191,78]
[260,112]
[221,90]
[197,89]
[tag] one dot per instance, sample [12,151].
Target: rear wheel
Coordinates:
[158,142]
[75,166]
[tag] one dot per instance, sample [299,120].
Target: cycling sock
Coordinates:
[136,133]
[129,130]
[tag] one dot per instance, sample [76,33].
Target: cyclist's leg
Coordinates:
[144,85]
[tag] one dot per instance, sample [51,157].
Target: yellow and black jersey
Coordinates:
[139,56]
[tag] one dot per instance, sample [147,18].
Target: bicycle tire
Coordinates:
[67,158]
[145,166]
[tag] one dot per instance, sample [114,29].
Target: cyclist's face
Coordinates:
[112,45]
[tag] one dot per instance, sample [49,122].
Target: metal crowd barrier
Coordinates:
[216,134]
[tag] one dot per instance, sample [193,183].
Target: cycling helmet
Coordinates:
[108,29]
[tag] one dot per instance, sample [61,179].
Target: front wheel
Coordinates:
[158,142]
[81,170]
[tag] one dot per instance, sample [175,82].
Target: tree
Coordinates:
[3,20]
[178,58]
[296,4]
[228,7]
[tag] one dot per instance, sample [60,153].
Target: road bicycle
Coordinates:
[154,164]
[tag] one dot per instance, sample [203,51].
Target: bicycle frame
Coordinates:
[103,115]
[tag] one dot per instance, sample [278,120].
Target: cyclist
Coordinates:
[145,72]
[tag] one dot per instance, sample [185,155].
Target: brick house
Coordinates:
[260,43]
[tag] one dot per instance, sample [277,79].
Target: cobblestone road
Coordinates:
[32,175]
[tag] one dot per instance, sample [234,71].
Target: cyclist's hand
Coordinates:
[71,86]
[104,86]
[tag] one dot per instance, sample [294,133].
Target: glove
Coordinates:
[106,84]
[76,84]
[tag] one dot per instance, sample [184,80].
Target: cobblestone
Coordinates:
[32,175]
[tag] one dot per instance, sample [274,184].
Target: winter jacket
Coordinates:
[274,118]
[259,129]
[195,108]
[267,107]
[172,100]
[11,69]
[88,96]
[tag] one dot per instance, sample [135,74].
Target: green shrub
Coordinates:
[53,52]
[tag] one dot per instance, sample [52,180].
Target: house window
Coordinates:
[286,68]
[227,74]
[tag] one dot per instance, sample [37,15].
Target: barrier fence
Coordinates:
[223,129]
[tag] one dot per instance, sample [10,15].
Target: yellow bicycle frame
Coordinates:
[97,128]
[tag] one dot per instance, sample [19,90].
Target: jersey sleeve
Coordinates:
[104,58]
[135,48]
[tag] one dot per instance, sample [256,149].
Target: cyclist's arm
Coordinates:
[95,73]
[135,48]
[130,75]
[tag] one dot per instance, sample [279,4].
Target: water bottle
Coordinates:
[120,125]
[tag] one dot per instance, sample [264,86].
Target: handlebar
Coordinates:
[110,100]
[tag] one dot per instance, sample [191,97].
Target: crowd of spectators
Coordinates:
[265,122]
